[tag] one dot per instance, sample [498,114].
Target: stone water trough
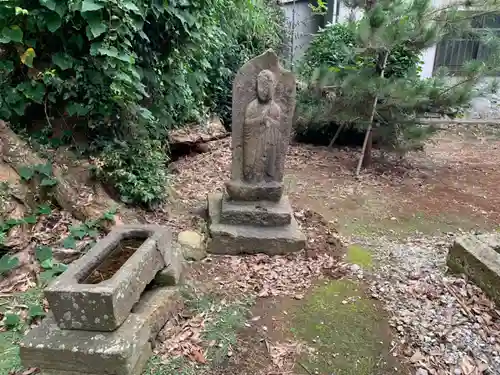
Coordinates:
[104,318]
[478,257]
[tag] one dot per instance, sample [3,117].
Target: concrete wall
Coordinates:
[303,24]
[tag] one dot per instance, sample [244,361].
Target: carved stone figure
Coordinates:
[263,108]
[254,216]
[261,132]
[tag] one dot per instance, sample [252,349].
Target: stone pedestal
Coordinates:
[250,227]
[108,327]
[253,215]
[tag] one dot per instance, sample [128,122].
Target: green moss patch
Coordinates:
[347,329]
[9,352]
[359,255]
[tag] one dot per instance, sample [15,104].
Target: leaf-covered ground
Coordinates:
[369,295]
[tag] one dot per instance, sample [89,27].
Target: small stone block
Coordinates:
[172,273]
[105,306]
[259,213]
[474,257]
[247,239]
[121,352]
[241,191]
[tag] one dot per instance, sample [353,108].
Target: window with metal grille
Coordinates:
[454,52]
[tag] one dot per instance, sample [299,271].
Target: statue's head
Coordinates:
[265,85]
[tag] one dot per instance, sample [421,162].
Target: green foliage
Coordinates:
[89,229]
[126,72]
[249,28]
[43,171]
[10,223]
[8,263]
[336,47]
[137,170]
[50,267]
[374,62]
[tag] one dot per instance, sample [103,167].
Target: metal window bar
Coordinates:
[453,53]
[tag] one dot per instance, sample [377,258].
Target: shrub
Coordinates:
[250,28]
[334,47]
[128,70]
[136,169]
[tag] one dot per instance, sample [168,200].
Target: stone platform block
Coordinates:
[247,239]
[106,305]
[259,213]
[124,351]
[242,191]
[478,257]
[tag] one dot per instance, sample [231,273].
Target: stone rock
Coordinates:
[475,257]
[124,351]
[192,244]
[172,273]
[251,239]
[106,305]
[192,135]
[262,113]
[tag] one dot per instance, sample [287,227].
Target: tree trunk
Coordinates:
[366,153]
[367,157]
[75,192]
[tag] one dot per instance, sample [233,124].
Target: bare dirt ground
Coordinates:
[404,213]
[370,295]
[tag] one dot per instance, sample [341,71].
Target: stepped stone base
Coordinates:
[478,257]
[260,213]
[124,351]
[234,239]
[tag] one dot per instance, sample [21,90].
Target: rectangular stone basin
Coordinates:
[121,352]
[104,306]
[478,258]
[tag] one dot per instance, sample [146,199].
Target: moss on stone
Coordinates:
[347,329]
[359,255]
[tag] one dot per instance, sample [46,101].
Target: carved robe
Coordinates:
[261,137]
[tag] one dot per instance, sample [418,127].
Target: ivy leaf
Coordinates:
[59,268]
[12,34]
[43,253]
[44,210]
[44,169]
[12,320]
[53,21]
[76,109]
[47,275]
[132,7]
[34,91]
[79,231]
[21,11]
[48,181]
[8,263]
[96,26]
[6,66]
[29,220]
[50,4]
[69,243]
[26,173]
[36,311]
[90,5]
[28,56]
[62,60]
[47,264]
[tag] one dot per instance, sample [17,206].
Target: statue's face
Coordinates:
[265,85]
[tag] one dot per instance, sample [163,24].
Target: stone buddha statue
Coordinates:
[261,132]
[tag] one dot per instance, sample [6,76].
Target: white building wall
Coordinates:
[302,23]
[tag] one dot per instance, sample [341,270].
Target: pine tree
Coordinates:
[362,92]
